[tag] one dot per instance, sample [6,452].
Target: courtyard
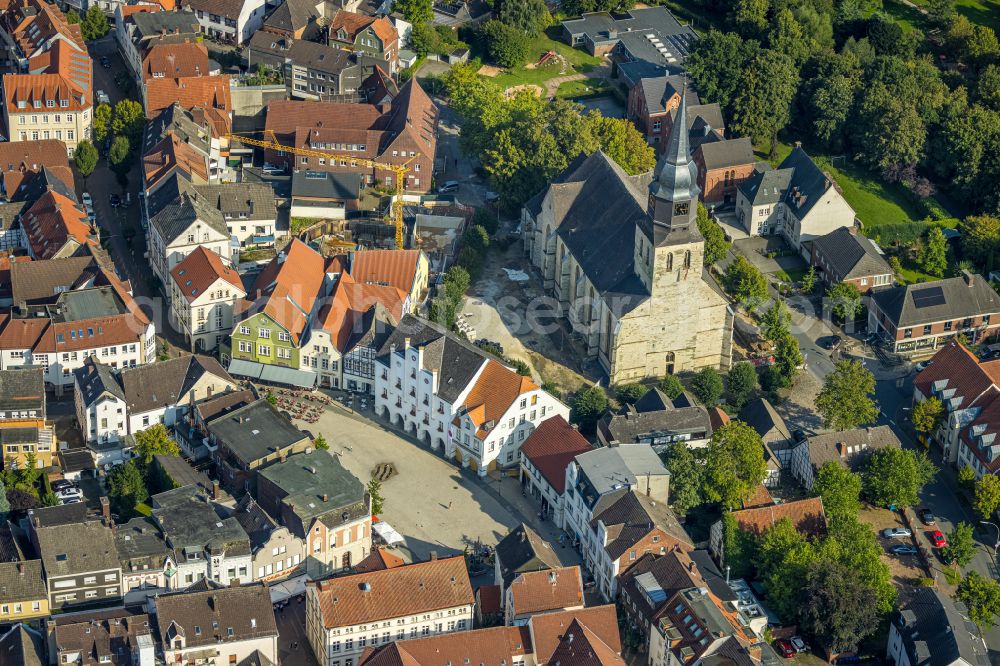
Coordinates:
[433,503]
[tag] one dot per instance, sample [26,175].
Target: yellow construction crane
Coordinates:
[400,170]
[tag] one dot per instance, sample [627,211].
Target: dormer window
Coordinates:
[37,104]
[64,103]
[50,103]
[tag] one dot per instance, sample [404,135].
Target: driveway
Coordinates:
[609,106]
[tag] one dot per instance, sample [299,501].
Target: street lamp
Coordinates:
[996,546]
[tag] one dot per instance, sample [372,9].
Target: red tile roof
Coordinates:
[807,515]
[20,160]
[552,447]
[53,222]
[967,381]
[760,497]
[378,560]
[172,154]
[550,630]
[488,600]
[210,94]
[492,395]
[200,270]
[392,267]
[175,60]
[399,592]
[350,302]
[539,591]
[354,23]
[128,10]
[494,646]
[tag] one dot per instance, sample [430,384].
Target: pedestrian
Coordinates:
[449,504]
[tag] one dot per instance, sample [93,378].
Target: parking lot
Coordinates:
[431,502]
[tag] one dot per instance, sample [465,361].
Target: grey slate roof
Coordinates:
[523,550]
[837,446]
[97,379]
[22,581]
[225,615]
[760,415]
[936,631]
[455,360]
[654,415]
[167,382]
[306,478]
[851,255]
[807,178]
[10,215]
[599,25]
[22,646]
[766,186]
[325,185]
[610,469]
[179,121]
[149,24]
[597,207]
[293,15]
[46,179]
[61,514]
[167,193]
[175,218]
[275,50]
[709,571]
[255,431]
[961,300]
[37,282]
[22,389]
[727,153]
[253,200]
[77,548]
[141,546]
[191,524]
[631,517]
[255,521]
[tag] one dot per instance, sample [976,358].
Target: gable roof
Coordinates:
[850,254]
[957,378]
[494,646]
[19,160]
[201,269]
[176,60]
[807,184]
[255,431]
[551,447]
[849,447]
[398,592]
[523,550]
[541,591]
[22,581]
[22,646]
[287,289]
[210,94]
[631,517]
[550,631]
[163,383]
[22,389]
[936,631]
[293,15]
[959,297]
[225,615]
[56,224]
[497,388]
[173,154]
[727,153]
[807,515]
[352,24]
[760,415]
[176,218]
[244,201]
[76,548]
[396,268]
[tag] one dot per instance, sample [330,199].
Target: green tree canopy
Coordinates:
[320,443]
[845,400]
[982,597]
[980,239]
[417,12]
[987,494]
[126,488]
[671,386]
[94,24]
[375,492]
[961,545]
[529,17]
[118,156]
[782,560]
[894,477]
[588,406]
[707,386]
[154,441]
[622,142]
[628,394]
[686,472]
[128,120]
[840,489]
[85,158]
[507,46]
[788,358]
[716,245]
[776,321]
[934,255]
[762,106]
[837,608]
[734,464]
[4,502]
[845,301]
[102,122]
[745,283]
[927,415]
[741,384]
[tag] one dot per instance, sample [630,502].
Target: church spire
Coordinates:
[674,190]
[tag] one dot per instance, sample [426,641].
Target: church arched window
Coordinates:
[670,261]
[687,259]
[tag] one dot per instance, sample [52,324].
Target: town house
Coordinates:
[24,429]
[848,448]
[545,455]
[845,256]
[181,227]
[203,290]
[373,35]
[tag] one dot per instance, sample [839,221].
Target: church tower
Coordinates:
[673,194]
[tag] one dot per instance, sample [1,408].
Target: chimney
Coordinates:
[326,498]
[552,577]
[406,343]
[841,449]
[216,492]
[106,510]
[969,278]
[20,568]
[434,555]
[283,456]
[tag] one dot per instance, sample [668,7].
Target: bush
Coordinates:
[588,406]
[486,219]
[506,46]
[629,394]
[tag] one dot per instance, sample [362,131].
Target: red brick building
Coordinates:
[845,256]
[653,102]
[722,165]
[404,133]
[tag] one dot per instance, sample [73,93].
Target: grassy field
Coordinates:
[983,12]
[586,87]
[572,61]
[906,16]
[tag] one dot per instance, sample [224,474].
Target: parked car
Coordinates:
[448,186]
[902,549]
[923,365]
[927,517]
[896,533]
[102,97]
[272,169]
[69,493]
[71,500]
[105,62]
[492,197]
[830,341]
[938,540]
[784,648]
[62,484]
[115,200]
[87,200]
[798,644]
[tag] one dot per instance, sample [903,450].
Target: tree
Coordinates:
[738,547]
[686,473]
[320,443]
[507,46]
[845,400]
[782,560]
[734,464]
[671,386]
[154,441]
[961,546]
[102,122]
[717,62]
[896,265]
[837,608]
[95,24]
[927,415]
[840,489]
[716,245]
[21,500]
[443,312]
[750,17]
[375,492]
[787,359]
[934,255]
[4,503]
[981,596]
[776,322]
[129,121]
[628,394]
[126,488]
[85,158]
[588,406]
[940,12]
[417,12]
[119,153]
[894,477]
[477,238]
[72,17]
[967,477]
[786,36]
[845,301]
[529,17]
[745,283]
[707,386]
[855,545]
[271,398]
[762,105]
[987,495]
[622,142]
[741,384]
[808,281]
[980,239]
[456,283]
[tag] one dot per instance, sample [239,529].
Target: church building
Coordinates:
[624,257]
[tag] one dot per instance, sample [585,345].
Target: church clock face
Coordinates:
[681,208]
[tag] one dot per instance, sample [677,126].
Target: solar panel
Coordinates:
[929,297]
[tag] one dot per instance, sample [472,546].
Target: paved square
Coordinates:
[434,504]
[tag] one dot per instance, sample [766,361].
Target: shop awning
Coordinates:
[290,376]
[389,535]
[245,368]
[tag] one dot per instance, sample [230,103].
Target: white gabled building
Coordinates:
[182,226]
[449,393]
[203,290]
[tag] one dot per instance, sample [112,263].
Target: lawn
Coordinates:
[983,12]
[583,88]
[905,15]
[571,61]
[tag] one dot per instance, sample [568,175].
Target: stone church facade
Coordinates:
[624,257]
